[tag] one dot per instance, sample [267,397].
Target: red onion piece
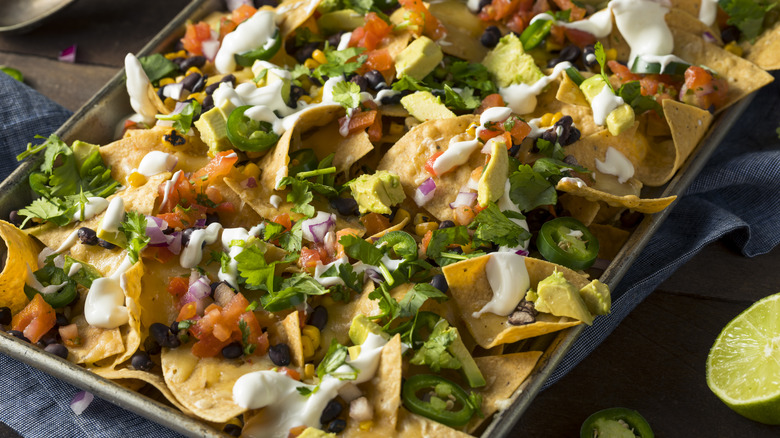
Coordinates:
[200,223]
[154,230]
[425,192]
[706,36]
[81,401]
[522,252]
[249,183]
[199,289]
[210,49]
[175,245]
[234,4]
[69,54]
[464,199]
[315,229]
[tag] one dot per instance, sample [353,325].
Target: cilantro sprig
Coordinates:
[601,58]
[339,62]
[134,228]
[347,94]
[182,121]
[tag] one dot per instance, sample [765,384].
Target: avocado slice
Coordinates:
[424,106]
[509,64]
[212,126]
[378,192]
[597,297]
[491,184]
[345,20]
[418,58]
[619,119]
[555,295]
[82,150]
[360,328]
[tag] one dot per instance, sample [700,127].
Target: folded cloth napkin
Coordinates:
[734,196]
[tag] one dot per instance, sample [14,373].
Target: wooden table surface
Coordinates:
[653,362]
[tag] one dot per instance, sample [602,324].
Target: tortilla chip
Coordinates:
[20,251]
[145,378]
[290,14]
[688,21]
[569,92]
[630,143]
[96,343]
[765,52]
[399,226]
[463,30]
[408,156]
[579,208]
[504,374]
[470,290]
[413,425]
[347,150]
[383,393]
[743,76]
[632,202]
[205,385]
[291,334]
[611,239]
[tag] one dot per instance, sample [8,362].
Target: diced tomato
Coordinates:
[517,23]
[504,8]
[70,335]
[341,233]
[487,134]
[226,25]
[359,121]
[37,318]
[519,131]
[210,346]
[463,215]
[577,13]
[194,37]
[378,60]
[221,332]
[429,163]
[622,72]
[425,241]
[177,286]
[214,194]
[262,344]
[242,13]
[219,166]
[539,7]
[220,326]
[374,223]
[490,101]
[309,258]
[371,34]
[212,306]
[295,375]
[557,36]
[420,16]
[702,89]
[579,38]
[188,311]
[234,308]
[283,220]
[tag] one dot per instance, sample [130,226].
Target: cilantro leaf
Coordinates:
[464,100]
[347,274]
[347,94]
[338,62]
[493,226]
[253,268]
[416,297]
[249,347]
[134,228]
[304,391]
[182,121]
[747,15]
[272,230]
[444,237]
[292,291]
[300,195]
[549,149]
[553,170]
[434,352]
[157,67]
[359,249]
[47,210]
[529,189]
[601,58]
[472,75]
[291,241]
[630,93]
[333,360]
[406,82]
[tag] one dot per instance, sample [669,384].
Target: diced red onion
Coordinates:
[472,184]
[81,401]
[200,223]
[234,4]
[69,54]
[210,49]
[522,252]
[154,230]
[425,192]
[198,290]
[708,37]
[175,245]
[315,229]
[249,183]
[464,199]
[177,109]
[374,275]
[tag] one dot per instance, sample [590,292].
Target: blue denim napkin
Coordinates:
[735,197]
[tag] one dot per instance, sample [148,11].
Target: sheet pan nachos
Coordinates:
[331,216]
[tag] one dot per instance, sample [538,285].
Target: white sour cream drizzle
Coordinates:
[457,153]
[603,104]
[616,164]
[256,32]
[156,162]
[70,241]
[521,98]
[275,200]
[708,11]
[598,24]
[344,41]
[193,252]
[115,214]
[642,25]
[328,281]
[286,407]
[74,269]
[231,236]
[105,304]
[508,278]
[169,186]
[137,86]
[94,206]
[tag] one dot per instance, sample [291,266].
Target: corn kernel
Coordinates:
[312,333]
[734,48]
[400,216]
[174,55]
[423,228]
[311,64]
[136,179]
[308,348]
[193,70]
[611,54]
[306,99]
[319,56]
[308,371]
[420,218]
[251,170]
[557,116]
[166,81]
[546,119]
[366,425]
[197,96]
[472,131]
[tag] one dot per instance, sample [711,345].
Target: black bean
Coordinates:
[729,34]
[211,218]
[289,46]
[141,361]
[18,334]
[318,317]
[51,337]
[280,355]
[208,103]
[550,135]
[456,250]
[305,52]
[589,56]
[174,328]
[161,93]
[232,429]
[439,281]
[335,39]
[5,316]
[514,149]
[332,410]
[316,82]
[375,80]
[574,135]
[336,426]
[570,160]
[361,81]
[179,60]
[211,88]
[106,244]
[62,320]
[295,94]
[392,99]
[87,236]
[185,236]
[190,80]
[193,61]
[151,346]
[553,62]
[260,3]
[570,53]
[234,350]
[57,350]
[229,78]
[345,206]
[162,334]
[490,37]
[15,218]
[446,224]
[200,85]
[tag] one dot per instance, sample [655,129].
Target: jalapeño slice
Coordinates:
[566,241]
[263,53]
[415,388]
[533,35]
[614,421]
[643,66]
[248,134]
[65,287]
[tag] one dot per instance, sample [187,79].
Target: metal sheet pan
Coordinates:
[95,122]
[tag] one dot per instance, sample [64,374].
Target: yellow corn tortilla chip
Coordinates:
[347,150]
[611,239]
[504,374]
[291,334]
[470,290]
[146,378]
[291,14]
[632,202]
[96,343]
[408,156]
[765,52]
[20,251]
[688,21]
[413,425]
[464,29]
[579,208]
[569,92]
[383,393]
[396,227]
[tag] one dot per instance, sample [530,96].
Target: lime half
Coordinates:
[743,367]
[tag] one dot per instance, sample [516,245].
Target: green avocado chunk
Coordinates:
[418,58]
[491,184]
[212,126]
[424,106]
[378,192]
[555,295]
[597,297]
[509,64]
[621,118]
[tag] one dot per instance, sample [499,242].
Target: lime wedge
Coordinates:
[743,367]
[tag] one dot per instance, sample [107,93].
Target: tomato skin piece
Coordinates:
[622,72]
[359,121]
[242,13]
[35,320]
[309,258]
[283,220]
[378,60]
[519,131]
[579,38]
[490,101]
[194,37]
[429,163]
[430,25]
[177,286]
[702,89]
